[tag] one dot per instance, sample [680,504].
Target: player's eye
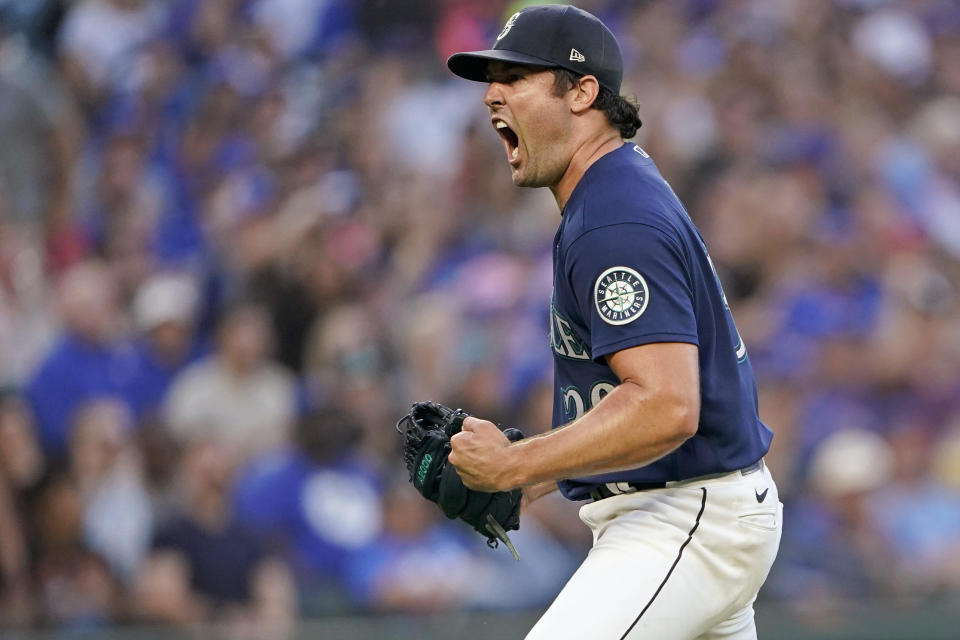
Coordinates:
[506,78]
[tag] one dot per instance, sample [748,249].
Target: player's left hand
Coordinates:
[427,431]
[479,455]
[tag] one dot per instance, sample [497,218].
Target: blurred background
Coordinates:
[239,237]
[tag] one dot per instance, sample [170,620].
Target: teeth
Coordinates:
[515,154]
[501,124]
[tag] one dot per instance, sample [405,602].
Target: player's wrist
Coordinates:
[523,465]
[513,468]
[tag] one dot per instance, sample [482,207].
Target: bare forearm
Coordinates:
[534,492]
[630,427]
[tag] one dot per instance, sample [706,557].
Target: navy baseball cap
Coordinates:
[550,35]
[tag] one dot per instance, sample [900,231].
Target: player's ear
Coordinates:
[585,92]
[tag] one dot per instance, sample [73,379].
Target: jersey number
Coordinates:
[573,403]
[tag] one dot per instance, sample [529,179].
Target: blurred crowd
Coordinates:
[239,237]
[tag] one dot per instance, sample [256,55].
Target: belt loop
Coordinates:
[753,468]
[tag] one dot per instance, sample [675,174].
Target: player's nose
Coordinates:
[493,97]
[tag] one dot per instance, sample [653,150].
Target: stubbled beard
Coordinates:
[528,180]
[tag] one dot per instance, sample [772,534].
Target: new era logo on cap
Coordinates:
[576,56]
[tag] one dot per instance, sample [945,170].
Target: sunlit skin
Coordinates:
[656,407]
[557,137]
[523,98]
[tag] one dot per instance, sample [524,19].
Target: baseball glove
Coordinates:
[426,432]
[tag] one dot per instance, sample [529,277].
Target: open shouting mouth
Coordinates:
[511,141]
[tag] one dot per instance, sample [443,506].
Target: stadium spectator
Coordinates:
[236,395]
[310,156]
[42,132]
[205,565]
[21,469]
[21,462]
[418,563]
[90,358]
[165,312]
[98,39]
[315,503]
[74,587]
[345,360]
[920,516]
[834,552]
[106,470]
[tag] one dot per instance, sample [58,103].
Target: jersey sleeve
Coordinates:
[632,287]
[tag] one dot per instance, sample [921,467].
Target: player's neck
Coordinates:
[591,150]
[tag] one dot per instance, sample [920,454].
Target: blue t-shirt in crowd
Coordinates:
[74,372]
[630,268]
[315,512]
[410,560]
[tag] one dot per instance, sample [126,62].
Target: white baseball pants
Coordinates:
[680,563]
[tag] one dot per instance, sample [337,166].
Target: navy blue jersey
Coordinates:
[630,268]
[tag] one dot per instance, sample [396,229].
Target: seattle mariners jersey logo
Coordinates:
[621,295]
[508,26]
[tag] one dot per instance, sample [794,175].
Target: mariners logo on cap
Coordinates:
[621,295]
[509,25]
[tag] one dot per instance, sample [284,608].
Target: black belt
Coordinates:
[605,491]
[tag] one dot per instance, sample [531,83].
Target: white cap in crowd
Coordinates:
[165,298]
[851,461]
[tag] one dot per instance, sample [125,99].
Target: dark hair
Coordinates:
[622,113]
